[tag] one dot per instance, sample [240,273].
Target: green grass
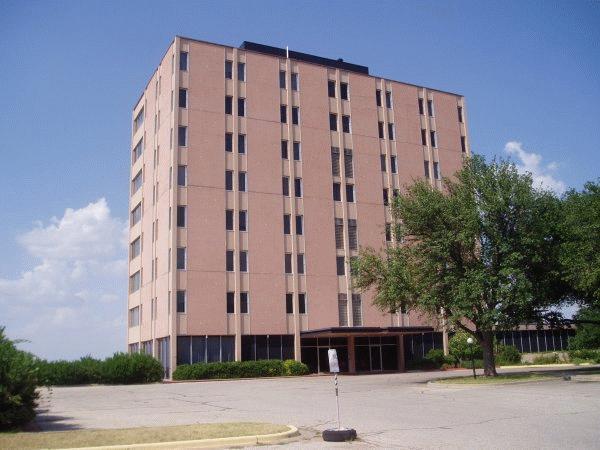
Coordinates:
[91,438]
[500,379]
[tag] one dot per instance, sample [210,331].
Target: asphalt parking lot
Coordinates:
[387,410]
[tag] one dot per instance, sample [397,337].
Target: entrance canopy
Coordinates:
[363,331]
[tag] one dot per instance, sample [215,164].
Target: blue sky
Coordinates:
[70,73]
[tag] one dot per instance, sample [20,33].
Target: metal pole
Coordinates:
[337,400]
[473,361]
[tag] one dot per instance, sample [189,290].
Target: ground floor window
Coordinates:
[416,346]
[314,353]
[194,349]
[272,346]
[376,353]
[163,353]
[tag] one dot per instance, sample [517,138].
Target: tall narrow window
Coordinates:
[430,110]
[340,265]
[181,258]
[343,310]
[386,197]
[287,228]
[436,170]
[228,104]
[241,107]
[229,261]
[136,183]
[393,164]
[182,137]
[378,97]
[229,69]
[241,69]
[297,153]
[138,150]
[135,281]
[243,220]
[230,302]
[302,303]
[350,193]
[282,83]
[139,120]
[346,124]
[181,216]
[242,181]
[337,193]
[421,108]
[344,92]
[183,61]
[433,137]
[352,234]
[460,114]
[289,303]
[285,186]
[426,168]
[335,161]
[300,263]
[391,131]
[463,144]
[284,149]
[229,219]
[295,115]
[388,232]
[298,187]
[181,175]
[244,307]
[333,122]
[339,233]
[348,166]
[283,113]
[183,98]
[288,263]
[299,225]
[380,130]
[228,142]
[241,144]
[331,88]
[356,310]
[229,180]
[181,301]
[388,99]
[423,137]
[295,82]
[243,261]
[382,162]
[135,248]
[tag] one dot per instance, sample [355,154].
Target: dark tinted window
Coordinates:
[285,185]
[230,302]
[181,213]
[241,71]
[302,303]
[243,261]
[346,124]
[344,91]
[228,142]
[283,113]
[180,301]
[229,219]
[289,303]
[333,122]
[295,115]
[243,220]
[228,104]
[284,149]
[300,263]
[229,180]
[183,61]
[331,88]
[182,137]
[299,225]
[241,107]
[380,129]
[183,98]
[288,263]
[287,227]
[244,303]
[298,187]
[181,258]
[297,155]
[242,181]
[378,97]
[282,82]
[241,143]
[229,261]
[229,70]
[337,194]
[340,265]
[350,193]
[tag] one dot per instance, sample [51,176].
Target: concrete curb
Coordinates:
[541,366]
[207,443]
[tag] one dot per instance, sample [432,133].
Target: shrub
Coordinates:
[436,356]
[587,335]
[293,367]
[239,369]
[421,364]
[86,370]
[461,350]
[466,364]
[549,358]
[18,381]
[584,354]
[125,368]
[507,354]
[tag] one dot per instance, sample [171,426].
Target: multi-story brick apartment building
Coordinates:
[256,175]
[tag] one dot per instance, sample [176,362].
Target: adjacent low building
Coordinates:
[257,174]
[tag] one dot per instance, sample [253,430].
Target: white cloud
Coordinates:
[72,302]
[542,175]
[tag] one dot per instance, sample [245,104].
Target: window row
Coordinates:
[352,234]
[241,106]
[346,123]
[296,149]
[285,186]
[241,70]
[287,264]
[348,162]
[356,310]
[242,260]
[393,163]
[242,181]
[344,90]
[337,192]
[283,114]
[295,81]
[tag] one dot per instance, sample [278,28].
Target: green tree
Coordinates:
[587,335]
[580,251]
[18,382]
[484,251]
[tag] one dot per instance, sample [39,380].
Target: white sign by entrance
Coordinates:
[334,367]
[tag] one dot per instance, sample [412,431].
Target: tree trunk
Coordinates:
[489,361]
